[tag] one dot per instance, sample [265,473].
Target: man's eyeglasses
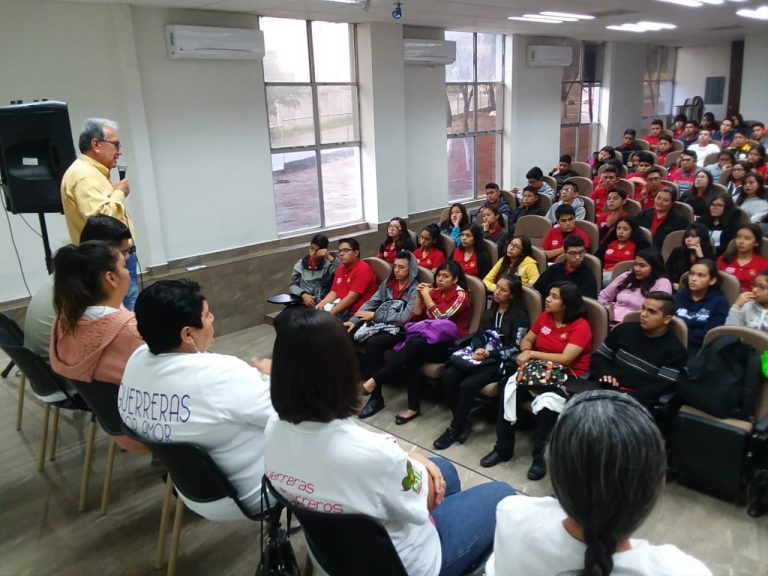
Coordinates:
[345,250]
[576,254]
[115,143]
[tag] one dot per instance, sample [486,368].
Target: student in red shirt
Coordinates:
[614,210]
[608,182]
[446,299]
[353,284]
[743,259]
[566,225]
[653,183]
[620,246]
[657,129]
[661,219]
[638,178]
[471,253]
[431,252]
[663,148]
[398,238]
[562,335]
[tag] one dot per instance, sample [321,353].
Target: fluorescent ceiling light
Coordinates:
[568,15]
[555,18]
[642,26]
[656,25]
[346,1]
[712,1]
[760,13]
[541,20]
[627,28]
[690,3]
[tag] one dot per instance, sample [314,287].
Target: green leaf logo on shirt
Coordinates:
[412,480]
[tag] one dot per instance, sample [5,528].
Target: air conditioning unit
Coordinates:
[214,43]
[550,55]
[422,52]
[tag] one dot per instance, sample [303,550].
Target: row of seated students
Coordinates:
[291,421]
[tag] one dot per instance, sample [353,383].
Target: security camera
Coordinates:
[397,13]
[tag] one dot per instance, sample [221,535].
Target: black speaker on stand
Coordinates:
[35,151]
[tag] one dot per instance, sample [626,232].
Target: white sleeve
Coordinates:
[239,391]
[404,485]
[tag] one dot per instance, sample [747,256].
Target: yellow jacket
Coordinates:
[528,272]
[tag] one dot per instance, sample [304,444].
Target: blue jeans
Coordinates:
[466,520]
[133,290]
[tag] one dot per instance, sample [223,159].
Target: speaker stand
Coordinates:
[46,242]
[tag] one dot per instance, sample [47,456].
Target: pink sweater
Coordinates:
[96,349]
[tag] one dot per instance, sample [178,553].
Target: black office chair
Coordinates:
[195,475]
[45,383]
[14,334]
[101,398]
[346,544]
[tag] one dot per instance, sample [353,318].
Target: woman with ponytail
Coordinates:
[93,335]
[607,463]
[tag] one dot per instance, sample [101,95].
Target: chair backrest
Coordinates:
[729,284]
[582,169]
[414,237]
[677,146]
[346,544]
[101,398]
[678,326]
[671,241]
[477,293]
[541,259]
[642,144]
[620,268]
[685,210]
[597,316]
[510,198]
[589,208]
[12,329]
[591,230]
[719,188]
[646,234]
[449,244]
[583,183]
[759,341]
[425,275]
[663,170]
[633,208]
[724,175]
[545,202]
[743,219]
[653,155]
[535,227]
[531,303]
[493,250]
[380,268]
[44,381]
[551,181]
[711,158]
[195,475]
[627,186]
[671,158]
[444,214]
[670,184]
[593,263]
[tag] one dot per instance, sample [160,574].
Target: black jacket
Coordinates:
[671,223]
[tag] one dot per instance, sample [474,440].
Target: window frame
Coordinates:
[318,147]
[474,133]
[596,85]
[652,79]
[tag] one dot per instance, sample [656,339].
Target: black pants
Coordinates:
[505,430]
[375,348]
[410,359]
[461,386]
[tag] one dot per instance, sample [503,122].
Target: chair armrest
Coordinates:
[760,432]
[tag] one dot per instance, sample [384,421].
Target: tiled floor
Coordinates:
[41,532]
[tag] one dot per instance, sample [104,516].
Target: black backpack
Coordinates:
[722,379]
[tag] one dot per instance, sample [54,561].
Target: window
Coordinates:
[658,81]
[580,100]
[314,126]
[475,119]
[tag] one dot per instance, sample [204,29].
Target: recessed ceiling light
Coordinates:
[541,20]
[642,26]
[760,13]
[556,18]
[656,25]
[690,3]
[712,1]
[627,28]
[568,15]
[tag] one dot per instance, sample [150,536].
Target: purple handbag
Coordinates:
[433,331]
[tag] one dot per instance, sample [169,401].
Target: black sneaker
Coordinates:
[446,439]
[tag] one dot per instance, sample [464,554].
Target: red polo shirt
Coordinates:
[553,340]
[432,261]
[357,278]
[554,239]
[747,273]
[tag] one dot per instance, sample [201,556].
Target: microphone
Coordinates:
[122,168]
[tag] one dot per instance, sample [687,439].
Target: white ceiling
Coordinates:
[694,25]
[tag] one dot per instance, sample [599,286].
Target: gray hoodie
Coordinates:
[408,294]
[751,315]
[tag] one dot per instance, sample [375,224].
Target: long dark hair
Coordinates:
[507,265]
[655,261]
[728,211]
[607,462]
[479,241]
[404,241]
[516,288]
[731,252]
[636,236]
[78,279]
[502,222]
[437,238]
[702,232]
[573,302]
[464,222]
[711,270]
[760,188]
[455,270]
[708,190]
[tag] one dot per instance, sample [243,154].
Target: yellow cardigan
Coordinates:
[528,272]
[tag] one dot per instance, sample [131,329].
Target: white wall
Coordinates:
[622,99]
[694,65]
[425,115]
[754,80]
[531,113]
